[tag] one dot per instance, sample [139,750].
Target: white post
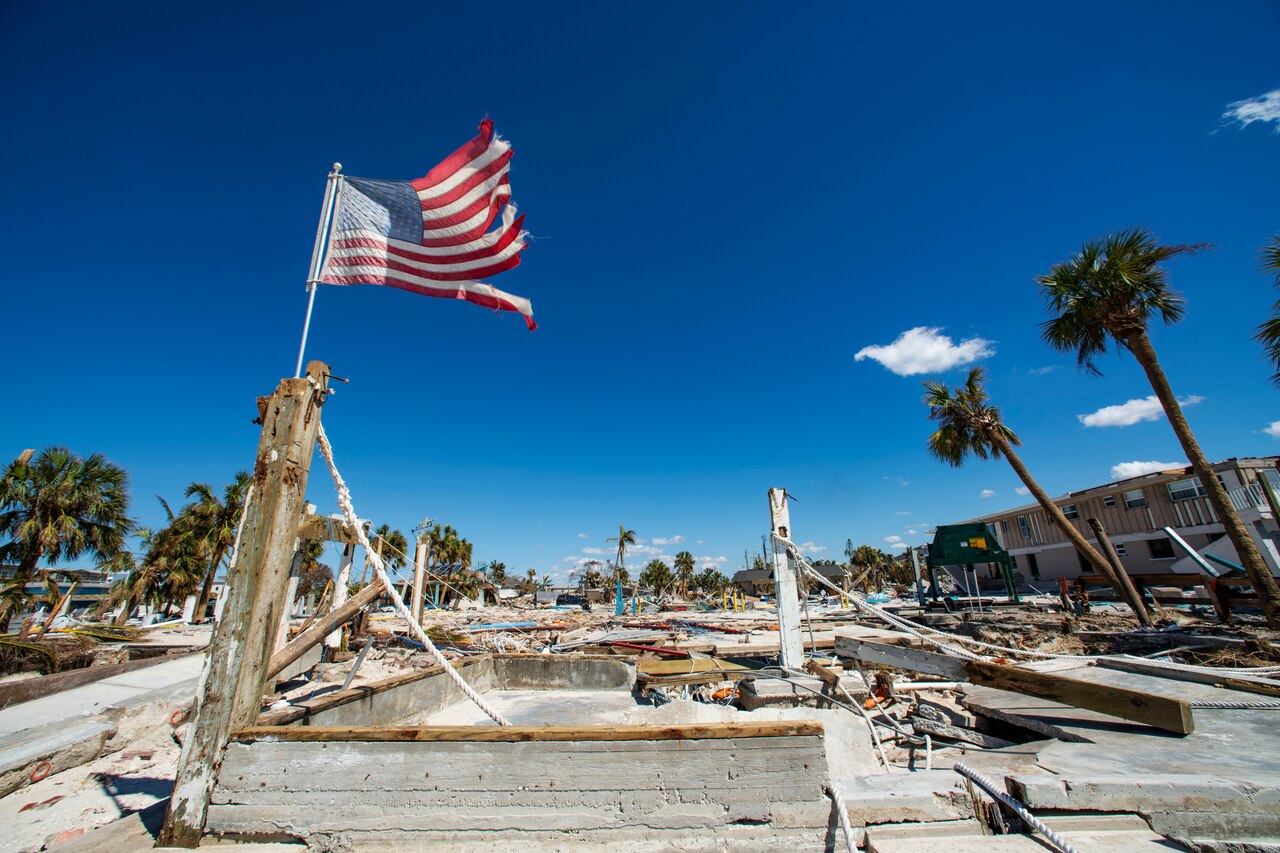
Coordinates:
[785,585]
[334,640]
[189,609]
[419,577]
[318,252]
[220,603]
[282,632]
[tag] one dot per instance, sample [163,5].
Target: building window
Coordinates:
[1109,501]
[1122,549]
[1185,489]
[1071,512]
[1161,549]
[1034,566]
[1004,525]
[1013,561]
[1023,528]
[1134,499]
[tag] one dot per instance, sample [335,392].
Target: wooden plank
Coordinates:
[685,667]
[937,729]
[708,677]
[1159,711]
[1162,712]
[1245,682]
[323,626]
[948,667]
[511,734]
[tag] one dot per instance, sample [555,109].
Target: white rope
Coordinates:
[1235,706]
[842,812]
[415,628]
[987,785]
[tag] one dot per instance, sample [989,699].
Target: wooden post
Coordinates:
[286,615]
[334,641]
[231,686]
[1124,584]
[331,621]
[419,577]
[785,587]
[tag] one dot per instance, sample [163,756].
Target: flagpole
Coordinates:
[318,252]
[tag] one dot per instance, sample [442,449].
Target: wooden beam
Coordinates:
[326,529]
[1248,683]
[1162,712]
[230,694]
[326,624]
[518,734]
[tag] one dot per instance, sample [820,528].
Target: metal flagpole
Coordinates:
[318,253]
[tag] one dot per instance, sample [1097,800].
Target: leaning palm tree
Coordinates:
[1112,291]
[59,506]
[624,538]
[1268,333]
[216,520]
[968,425]
[392,547]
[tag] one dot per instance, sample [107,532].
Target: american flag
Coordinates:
[432,236]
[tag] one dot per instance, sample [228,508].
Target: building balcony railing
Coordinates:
[1249,497]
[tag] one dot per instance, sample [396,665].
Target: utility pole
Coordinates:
[785,586]
[235,667]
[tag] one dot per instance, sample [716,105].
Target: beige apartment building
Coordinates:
[1134,513]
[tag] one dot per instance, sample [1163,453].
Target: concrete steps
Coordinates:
[1118,833]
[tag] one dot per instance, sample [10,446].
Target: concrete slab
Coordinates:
[95,698]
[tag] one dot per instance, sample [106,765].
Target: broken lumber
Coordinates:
[1243,681]
[322,627]
[515,734]
[925,726]
[1162,712]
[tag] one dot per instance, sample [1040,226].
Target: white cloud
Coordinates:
[582,536]
[710,562]
[894,540]
[591,549]
[1131,412]
[1023,490]
[810,547]
[699,541]
[1041,371]
[1262,108]
[1273,430]
[1125,470]
[674,540]
[903,512]
[911,532]
[987,493]
[925,349]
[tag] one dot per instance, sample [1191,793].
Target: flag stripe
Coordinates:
[465,232]
[368,263]
[475,292]
[459,158]
[472,200]
[368,240]
[467,180]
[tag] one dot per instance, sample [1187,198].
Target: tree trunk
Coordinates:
[202,598]
[1055,513]
[1255,567]
[1129,592]
[129,603]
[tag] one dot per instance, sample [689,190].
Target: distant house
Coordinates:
[760,581]
[1134,513]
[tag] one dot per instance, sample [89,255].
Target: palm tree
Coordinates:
[59,506]
[1268,333]
[657,576]
[498,571]
[1113,289]
[624,538]
[591,577]
[710,581]
[684,571]
[14,599]
[394,550]
[969,425]
[216,520]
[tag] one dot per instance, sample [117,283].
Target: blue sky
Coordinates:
[728,203]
